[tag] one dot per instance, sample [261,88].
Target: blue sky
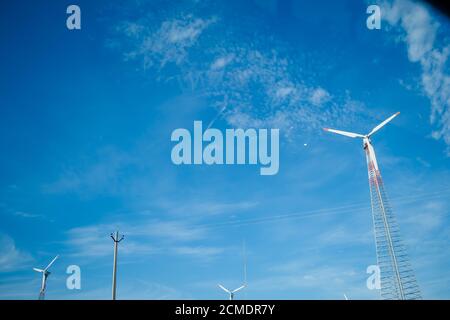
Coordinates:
[86,119]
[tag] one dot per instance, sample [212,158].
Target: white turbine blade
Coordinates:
[224,289]
[38,270]
[345,296]
[50,264]
[345,133]
[381,125]
[240,288]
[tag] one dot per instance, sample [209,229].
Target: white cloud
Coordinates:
[416,21]
[420,32]
[198,206]
[305,277]
[249,85]
[260,89]
[344,235]
[319,96]
[140,289]
[91,241]
[168,44]
[283,92]
[169,230]
[221,62]
[200,251]
[28,215]
[426,218]
[141,237]
[12,258]
[103,175]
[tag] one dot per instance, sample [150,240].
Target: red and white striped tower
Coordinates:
[398,281]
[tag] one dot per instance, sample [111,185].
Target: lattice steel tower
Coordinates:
[398,281]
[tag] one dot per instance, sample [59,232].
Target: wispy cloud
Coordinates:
[333,278]
[200,251]
[247,84]
[425,218]
[27,215]
[168,44]
[141,237]
[420,31]
[344,234]
[102,175]
[30,215]
[200,207]
[19,288]
[12,258]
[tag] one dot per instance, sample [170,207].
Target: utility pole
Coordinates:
[116,240]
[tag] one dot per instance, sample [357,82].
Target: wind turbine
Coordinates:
[45,274]
[231,293]
[396,274]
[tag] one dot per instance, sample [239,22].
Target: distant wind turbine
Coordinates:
[45,274]
[231,293]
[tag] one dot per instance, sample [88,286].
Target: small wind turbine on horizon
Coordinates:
[397,278]
[45,274]
[231,292]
